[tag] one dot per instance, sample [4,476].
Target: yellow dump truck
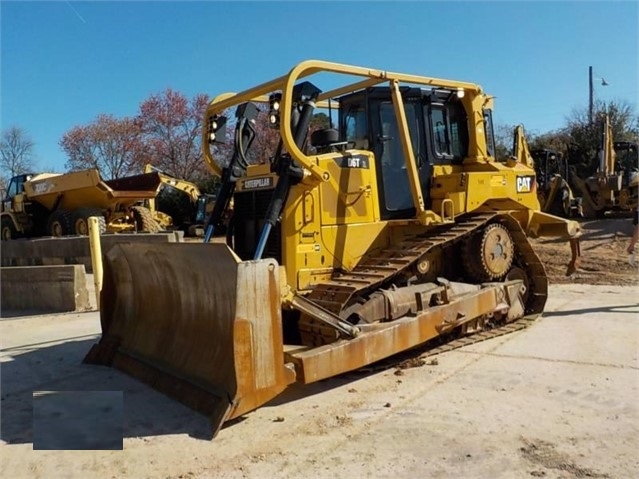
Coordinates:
[60,204]
[355,243]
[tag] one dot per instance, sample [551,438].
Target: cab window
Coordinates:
[490,134]
[13,188]
[440,132]
[449,131]
[356,128]
[397,192]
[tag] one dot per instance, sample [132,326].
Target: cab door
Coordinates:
[15,199]
[396,201]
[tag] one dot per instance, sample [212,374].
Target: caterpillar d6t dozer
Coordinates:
[346,246]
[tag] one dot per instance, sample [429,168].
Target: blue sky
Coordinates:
[63,63]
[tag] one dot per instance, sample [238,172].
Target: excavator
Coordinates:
[393,227]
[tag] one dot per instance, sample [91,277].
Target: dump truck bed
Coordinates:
[86,189]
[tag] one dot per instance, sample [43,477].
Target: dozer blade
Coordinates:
[195,323]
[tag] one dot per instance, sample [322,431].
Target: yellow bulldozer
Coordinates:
[627,162]
[352,244]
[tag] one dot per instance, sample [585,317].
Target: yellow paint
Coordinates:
[331,220]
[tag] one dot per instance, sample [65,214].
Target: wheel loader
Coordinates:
[391,228]
[202,202]
[553,191]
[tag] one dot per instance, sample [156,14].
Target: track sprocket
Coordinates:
[488,254]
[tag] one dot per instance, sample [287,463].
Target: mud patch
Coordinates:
[542,453]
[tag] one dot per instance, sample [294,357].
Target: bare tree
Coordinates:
[16,152]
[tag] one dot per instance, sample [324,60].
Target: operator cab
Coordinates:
[438,129]
[548,163]
[16,187]
[627,160]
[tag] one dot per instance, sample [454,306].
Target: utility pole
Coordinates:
[591,92]
[590,95]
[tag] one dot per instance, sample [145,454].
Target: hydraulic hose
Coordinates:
[244,136]
[286,170]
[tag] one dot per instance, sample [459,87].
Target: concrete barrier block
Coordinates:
[42,289]
[72,249]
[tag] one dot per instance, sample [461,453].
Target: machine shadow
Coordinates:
[37,367]
[30,368]
[623,308]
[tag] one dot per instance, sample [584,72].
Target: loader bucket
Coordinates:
[195,323]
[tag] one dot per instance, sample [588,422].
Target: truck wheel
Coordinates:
[81,220]
[144,220]
[8,230]
[60,223]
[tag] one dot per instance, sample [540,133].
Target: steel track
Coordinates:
[416,357]
[379,270]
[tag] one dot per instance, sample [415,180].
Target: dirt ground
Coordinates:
[603,249]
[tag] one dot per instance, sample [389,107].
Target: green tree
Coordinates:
[319,120]
[585,138]
[557,140]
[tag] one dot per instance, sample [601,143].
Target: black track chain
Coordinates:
[417,357]
[390,262]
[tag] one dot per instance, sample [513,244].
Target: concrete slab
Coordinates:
[557,400]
